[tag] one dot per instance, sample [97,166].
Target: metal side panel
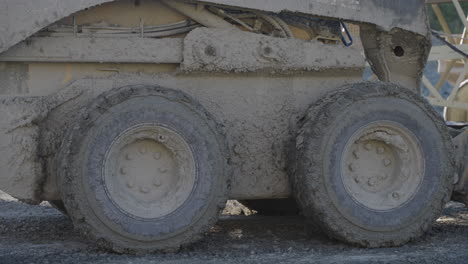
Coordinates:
[387,14]
[236,51]
[19,19]
[85,49]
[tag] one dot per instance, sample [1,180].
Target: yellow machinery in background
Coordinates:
[452,67]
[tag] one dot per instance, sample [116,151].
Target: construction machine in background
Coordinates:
[450,89]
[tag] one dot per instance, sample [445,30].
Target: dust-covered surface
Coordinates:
[40,234]
[37,14]
[236,51]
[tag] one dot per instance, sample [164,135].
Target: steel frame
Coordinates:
[452,58]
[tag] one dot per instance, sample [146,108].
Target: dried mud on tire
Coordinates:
[41,234]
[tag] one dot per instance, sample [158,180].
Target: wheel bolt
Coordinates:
[371,182]
[156,155]
[395,196]
[130,184]
[157,182]
[380,150]
[404,173]
[128,156]
[368,146]
[351,167]
[355,154]
[143,150]
[144,190]
[123,171]
[387,162]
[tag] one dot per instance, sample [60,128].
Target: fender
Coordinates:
[20,19]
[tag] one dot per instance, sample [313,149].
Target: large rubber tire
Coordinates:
[273,207]
[96,210]
[318,176]
[58,204]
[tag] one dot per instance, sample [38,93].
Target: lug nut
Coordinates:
[156,155]
[395,196]
[123,171]
[130,184]
[128,156]
[237,149]
[368,146]
[355,154]
[143,150]
[387,162]
[380,150]
[162,170]
[157,182]
[404,173]
[351,167]
[144,190]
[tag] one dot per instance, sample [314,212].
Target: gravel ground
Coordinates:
[40,234]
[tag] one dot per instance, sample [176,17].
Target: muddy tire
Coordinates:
[144,170]
[58,204]
[273,206]
[374,165]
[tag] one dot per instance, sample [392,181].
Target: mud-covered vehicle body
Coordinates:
[143,117]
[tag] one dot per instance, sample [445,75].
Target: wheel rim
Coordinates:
[149,171]
[382,166]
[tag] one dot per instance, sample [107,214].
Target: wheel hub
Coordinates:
[149,171]
[382,166]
